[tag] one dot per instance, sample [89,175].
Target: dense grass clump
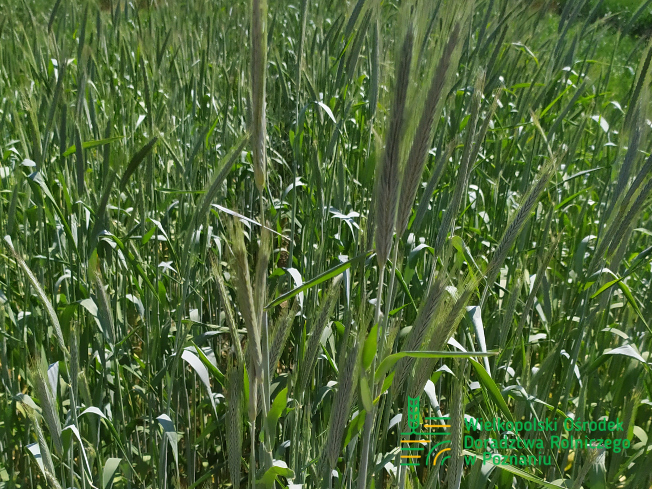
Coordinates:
[631,16]
[242,241]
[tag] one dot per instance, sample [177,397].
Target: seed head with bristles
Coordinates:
[388,183]
[448,222]
[228,311]
[425,316]
[281,333]
[516,224]
[323,314]
[258,70]
[74,363]
[456,463]
[417,157]
[46,457]
[591,457]
[104,311]
[341,405]
[262,263]
[245,298]
[451,315]
[48,405]
[443,156]
[234,395]
[633,212]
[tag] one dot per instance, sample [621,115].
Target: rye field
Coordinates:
[319,244]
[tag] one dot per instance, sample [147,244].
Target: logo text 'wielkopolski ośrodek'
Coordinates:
[535,450]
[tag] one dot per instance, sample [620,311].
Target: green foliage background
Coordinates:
[154,334]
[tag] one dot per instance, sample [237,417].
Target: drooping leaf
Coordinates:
[35,451]
[626,350]
[52,314]
[136,159]
[110,468]
[328,274]
[623,287]
[370,347]
[201,371]
[387,383]
[278,469]
[365,394]
[92,144]
[276,410]
[75,432]
[355,425]
[493,390]
[391,360]
[209,365]
[171,435]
